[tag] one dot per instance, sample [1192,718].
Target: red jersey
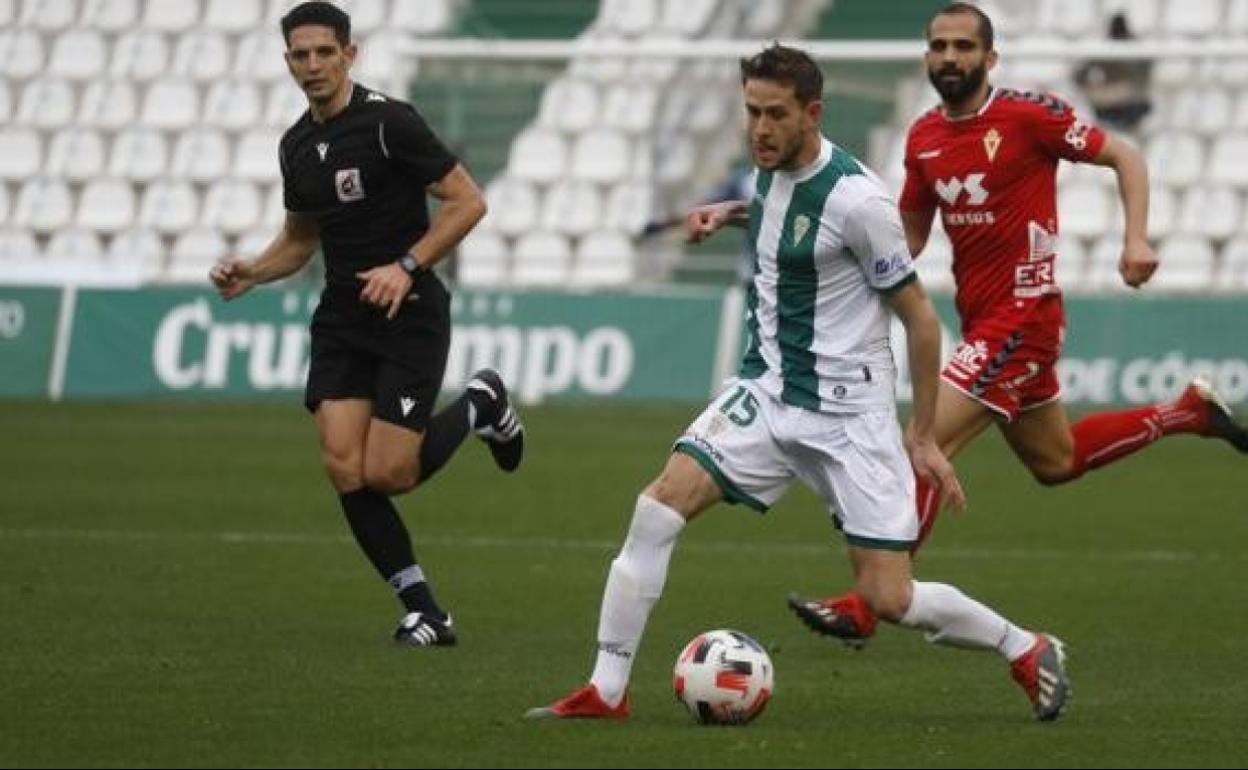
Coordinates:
[993,175]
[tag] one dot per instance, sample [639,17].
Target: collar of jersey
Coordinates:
[812,168]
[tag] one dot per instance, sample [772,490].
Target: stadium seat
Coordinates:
[1233,275]
[1186,264]
[541,258]
[367,16]
[171,104]
[284,104]
[600,156]
[675,160]
[202,55]
[233,105]
[934,264]
[604,258]
[139,154]
[688,18]
[258,56]
[1177,158]
[109,15]
[140,55]
[106,205]
[1206,110]
[1236,23]
[254,241]
[630,18]
[1198,18]
[75,244]
[78,54]
[194,253]
[513,206]
[568,105]
[108,104]
[169,207]
[4,204]
[1211,212]
[231,206]
[572,208]
[1068,18]
[1072,261]
[255,156]
[482,259]
[1163,213]
[137,246]
[48,15]
[764,18]
[424,18]
[709,112]
[381,55]
[21,54]
[6,103]
[75,154]
[1144,15]
[538,156]
[274,208]
[47,103]
[630,107]
[170,15]
[1083,210]
[21,153]
[630,206]
[1228,162]
[44,205]
[233,16]
[18,246]
[201,155]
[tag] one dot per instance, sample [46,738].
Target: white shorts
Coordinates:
[754,446]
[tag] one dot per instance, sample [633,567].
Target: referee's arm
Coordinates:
[290,250]
[462,207]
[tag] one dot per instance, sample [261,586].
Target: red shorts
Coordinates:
[1008,363]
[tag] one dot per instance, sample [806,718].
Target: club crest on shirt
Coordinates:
[992,142]
[348,185]
[801,225]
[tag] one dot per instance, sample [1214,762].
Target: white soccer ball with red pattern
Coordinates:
[724,678]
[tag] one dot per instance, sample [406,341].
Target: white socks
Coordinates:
[951,617]
[633,586]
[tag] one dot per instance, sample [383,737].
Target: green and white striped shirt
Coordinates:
[827,242]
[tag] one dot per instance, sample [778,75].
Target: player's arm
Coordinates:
[915,311]
[462,206]
[1138,261]
[918,227]
[289,251]
[917,206]
[703,221]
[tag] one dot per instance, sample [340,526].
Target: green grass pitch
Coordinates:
[178,588]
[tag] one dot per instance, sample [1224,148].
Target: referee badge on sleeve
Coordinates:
[348,184]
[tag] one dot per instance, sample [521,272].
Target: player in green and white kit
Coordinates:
[814,398]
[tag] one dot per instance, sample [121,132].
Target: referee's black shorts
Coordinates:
[395,363]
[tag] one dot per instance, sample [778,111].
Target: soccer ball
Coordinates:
[724,678]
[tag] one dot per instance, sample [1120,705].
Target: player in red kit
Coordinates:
[987,159]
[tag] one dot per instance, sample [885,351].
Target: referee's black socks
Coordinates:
[385,541]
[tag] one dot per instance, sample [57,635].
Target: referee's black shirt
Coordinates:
[362,176]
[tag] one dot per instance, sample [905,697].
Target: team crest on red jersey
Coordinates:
[992,142]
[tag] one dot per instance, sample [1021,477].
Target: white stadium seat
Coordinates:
[1234,273]
[139,154]
[194,253]
[630,206]
[201,155]
[232,206]
[569,105]
[108,104]
[202,55]
[233,105]
[171,104]
[44,205]
[48,15]
[541,258]
[934,264]
[140,54]
[75,244]
[17,245]
[367,16]
[1177,158]
[255,156]
[675,160]
[21,53]
[106,205]
[252,242]
[630,107]
[572,208]
[170,15]
[4,204]
[6,103]
[482,259]
[109,15]
[604,258]
[76,154]
[168,207]
[1163,211]
[427,17]
[1186,264]
[513,204]
[600,156]
[1228,162]
[47,103]
[1083,210]
[1192,17]
[1069,18]
[259,56]
[1072,261]
[274,207]
[78,54]
[1212,212]
[688,18]
[538,156]
[137,246]
[233,16]
[21,152]
[284,104]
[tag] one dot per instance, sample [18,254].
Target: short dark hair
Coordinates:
[321,14]
[790,66]
[986,35]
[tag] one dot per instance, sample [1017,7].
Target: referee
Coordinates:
[355,171]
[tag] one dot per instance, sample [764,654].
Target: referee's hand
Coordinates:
[232,277]
[385,287]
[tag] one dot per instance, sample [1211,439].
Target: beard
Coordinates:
[957,90]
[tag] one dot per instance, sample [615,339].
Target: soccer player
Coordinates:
[987,158]
[356,168]
[813,400]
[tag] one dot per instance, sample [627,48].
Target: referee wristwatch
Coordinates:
[411,266]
